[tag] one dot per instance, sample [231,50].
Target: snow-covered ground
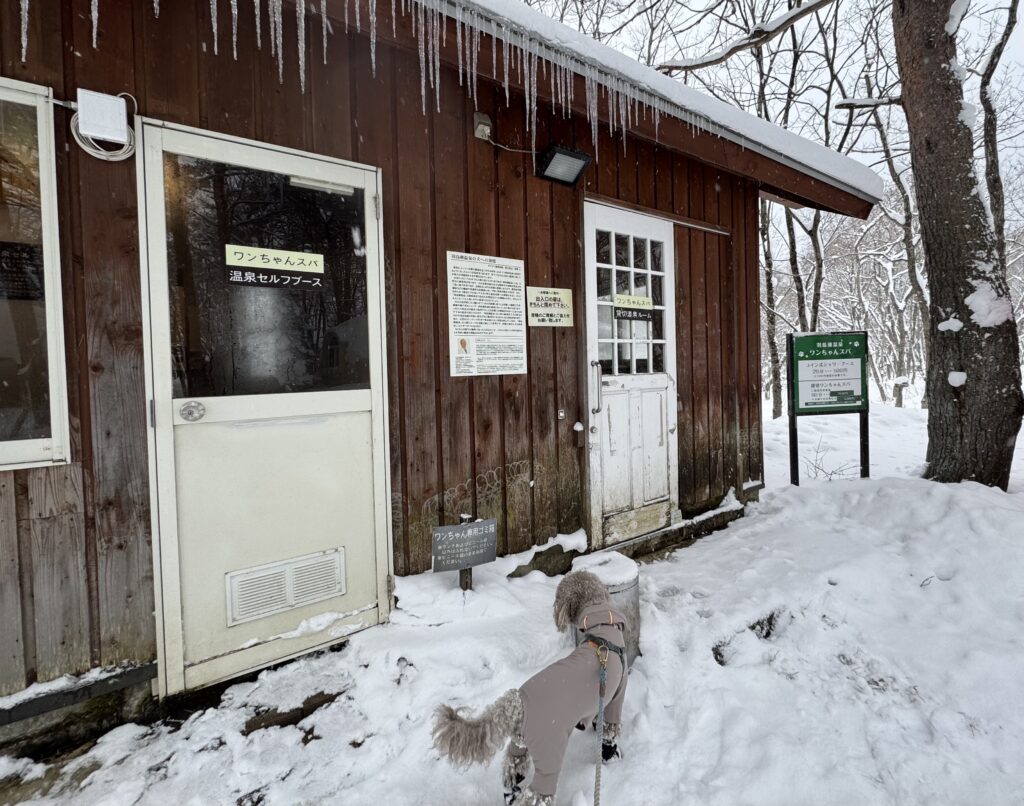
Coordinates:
[892,671]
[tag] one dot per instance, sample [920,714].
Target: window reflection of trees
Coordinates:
[242,339]
[24,370]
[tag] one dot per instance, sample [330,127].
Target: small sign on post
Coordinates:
[459,548]
[827,375]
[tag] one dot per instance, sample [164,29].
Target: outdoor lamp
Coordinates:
[562,165]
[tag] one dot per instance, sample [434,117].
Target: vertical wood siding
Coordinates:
[76,576]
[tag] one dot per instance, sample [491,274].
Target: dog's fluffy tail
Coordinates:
[466,741]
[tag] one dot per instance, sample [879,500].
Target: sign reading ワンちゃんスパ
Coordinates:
[829,372]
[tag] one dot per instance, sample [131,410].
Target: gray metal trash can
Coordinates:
[621,576]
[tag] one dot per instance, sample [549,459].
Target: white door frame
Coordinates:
[650,225]
[151,136]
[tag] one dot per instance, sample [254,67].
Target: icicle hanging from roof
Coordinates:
[213,25]
[156,8]
[259,33]
[95,14]
[300,41]
[24,29]
[323,25]
[234,29]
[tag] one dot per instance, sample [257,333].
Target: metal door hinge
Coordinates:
[376,206]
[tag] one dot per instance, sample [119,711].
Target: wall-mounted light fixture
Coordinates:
[562,165]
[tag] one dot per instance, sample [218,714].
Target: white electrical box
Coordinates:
[103,117]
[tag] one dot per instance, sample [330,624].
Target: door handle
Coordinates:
[600,384]
[193,411]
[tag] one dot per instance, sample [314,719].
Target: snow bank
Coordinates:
[611,567]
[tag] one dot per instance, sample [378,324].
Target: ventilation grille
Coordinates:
[254,593]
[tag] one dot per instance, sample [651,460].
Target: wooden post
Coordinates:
[466,574]
[794,452]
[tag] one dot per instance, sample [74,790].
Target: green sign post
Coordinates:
[828,374]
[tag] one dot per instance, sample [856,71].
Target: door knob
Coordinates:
[192,411]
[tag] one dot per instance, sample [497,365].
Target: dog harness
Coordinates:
[602,648]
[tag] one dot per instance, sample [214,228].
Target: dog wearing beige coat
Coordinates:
[538,718]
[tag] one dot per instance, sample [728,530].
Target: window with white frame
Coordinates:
[33,397]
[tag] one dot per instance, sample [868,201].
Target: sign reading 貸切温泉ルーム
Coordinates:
[631,307]
[454,548]
[273,268]
[486,315]
[829,372]
[549,307]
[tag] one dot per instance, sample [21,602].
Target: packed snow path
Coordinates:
[852,642]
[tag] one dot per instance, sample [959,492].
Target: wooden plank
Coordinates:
[488,412]
[542,394]
[373,126]
[515,389]
[699,338]
[663,180]
[756,449]
[730,390]
[566,211]
[330,95]
[117,406]
[60,596]
[43,62]
[284,114]
[684,337]
[608,153]
[646,174]
[12,650]
[455,433]
[739,258]
[167,61]
[715,339]
[626,152]
[415,253]
[229,101]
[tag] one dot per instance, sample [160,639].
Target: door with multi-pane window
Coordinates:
[630,287]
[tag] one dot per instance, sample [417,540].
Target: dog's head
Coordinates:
[576,592]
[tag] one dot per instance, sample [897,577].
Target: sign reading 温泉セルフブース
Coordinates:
[455,548]
[486,315]
[829,372]
[273,268]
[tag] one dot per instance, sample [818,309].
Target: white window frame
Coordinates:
[22,453]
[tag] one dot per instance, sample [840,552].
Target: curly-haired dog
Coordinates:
[539,716]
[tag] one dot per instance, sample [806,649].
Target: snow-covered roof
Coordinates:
[531,32]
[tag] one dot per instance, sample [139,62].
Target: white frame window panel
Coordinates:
[55,449]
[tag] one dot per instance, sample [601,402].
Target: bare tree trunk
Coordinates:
[972,426]
[794,270]
[770,325]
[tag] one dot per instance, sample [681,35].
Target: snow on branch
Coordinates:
[870,103]
[756,36]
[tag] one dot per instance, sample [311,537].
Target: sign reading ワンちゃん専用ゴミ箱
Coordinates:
[456,548]
[829,372]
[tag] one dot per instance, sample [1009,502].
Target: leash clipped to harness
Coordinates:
[602,648]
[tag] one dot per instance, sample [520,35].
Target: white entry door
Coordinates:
[630,284]
[267,414]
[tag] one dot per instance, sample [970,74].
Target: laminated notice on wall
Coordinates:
[486,315]
[549,307]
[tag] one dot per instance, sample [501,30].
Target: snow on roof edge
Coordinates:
[728,121]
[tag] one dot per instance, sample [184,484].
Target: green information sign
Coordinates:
[828,372]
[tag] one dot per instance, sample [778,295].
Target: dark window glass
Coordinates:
[625,351]
[642,351]
[622,282]
[604,284]
[24,376]
[246,320]
[657,324]
[656,290]
[640,284]
[604,247]
[621,250]
[623,329]
[604,322]
[640,253]
[606,353]
[659,357]
[656,259]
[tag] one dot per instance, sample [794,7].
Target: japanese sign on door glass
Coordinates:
[486,315]
[276,268]
[632,307]
[829,372]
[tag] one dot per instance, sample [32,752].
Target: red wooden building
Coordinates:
[248,366]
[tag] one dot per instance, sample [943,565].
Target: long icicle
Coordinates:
[300,40]
[234,29]
[24,29]
[95,13]
[213,24]
[323,25]
[259,34]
